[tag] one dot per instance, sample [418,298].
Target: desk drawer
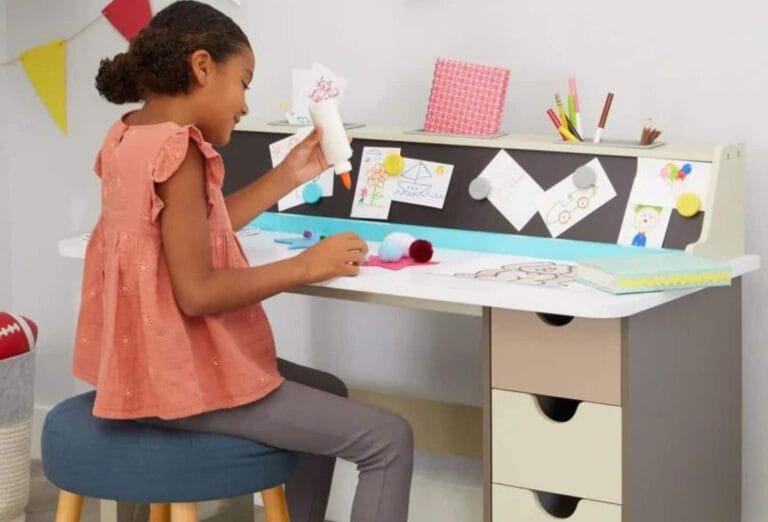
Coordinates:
[523,505]
[579,360]
[580,457]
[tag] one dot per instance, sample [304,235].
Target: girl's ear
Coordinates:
[202,66]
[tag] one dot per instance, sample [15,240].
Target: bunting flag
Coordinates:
[46,67]
[128,16]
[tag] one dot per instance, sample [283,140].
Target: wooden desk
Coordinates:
[644,390]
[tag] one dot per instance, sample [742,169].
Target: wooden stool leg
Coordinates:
[160,513]
[69,508]
[184,512]
[275,506]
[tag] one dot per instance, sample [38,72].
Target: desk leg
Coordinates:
[485,347]
[681,396]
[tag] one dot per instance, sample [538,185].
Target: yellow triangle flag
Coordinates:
[46,67]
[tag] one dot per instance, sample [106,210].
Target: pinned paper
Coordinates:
[513,192]
[644,225]
[311,86]
[373,193]
[278,151]
[47,70]
[128,16]
[661,182]
[564,205]
[423,183]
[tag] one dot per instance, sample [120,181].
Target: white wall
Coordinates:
[5,217]
[694,69]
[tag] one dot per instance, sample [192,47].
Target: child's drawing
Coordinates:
[310,86]
[324,89]
[644,226]
[528,271]
[564,205]
[423,183]
[535,273]
[661,182]
[514,192]
[373,193]
[563,211]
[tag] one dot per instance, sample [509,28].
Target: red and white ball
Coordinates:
[17,335]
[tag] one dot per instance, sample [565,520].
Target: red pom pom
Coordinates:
[17,335]
[421,251]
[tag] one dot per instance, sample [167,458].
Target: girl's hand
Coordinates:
[306,160]
[339,255]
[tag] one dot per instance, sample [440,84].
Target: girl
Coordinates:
[171,329]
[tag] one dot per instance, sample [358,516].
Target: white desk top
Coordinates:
[419,287]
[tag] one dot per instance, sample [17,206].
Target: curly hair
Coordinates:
[156,60]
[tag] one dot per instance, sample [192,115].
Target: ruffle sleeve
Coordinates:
[172,154]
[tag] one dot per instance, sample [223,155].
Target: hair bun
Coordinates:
[116,79]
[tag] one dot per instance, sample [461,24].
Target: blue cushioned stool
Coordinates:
[170,469]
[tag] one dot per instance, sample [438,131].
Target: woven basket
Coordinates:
[16,400]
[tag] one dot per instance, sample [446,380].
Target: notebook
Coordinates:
[651,272]
[466,98]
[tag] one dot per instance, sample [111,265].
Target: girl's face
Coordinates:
[221,95]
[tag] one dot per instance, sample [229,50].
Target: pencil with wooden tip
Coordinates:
[560,109]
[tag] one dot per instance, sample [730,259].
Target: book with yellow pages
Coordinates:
[652,272]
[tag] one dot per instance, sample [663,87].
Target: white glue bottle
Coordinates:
[335,145]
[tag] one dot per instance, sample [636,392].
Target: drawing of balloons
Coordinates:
[675,176]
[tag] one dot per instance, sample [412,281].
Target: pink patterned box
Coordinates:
[466,98]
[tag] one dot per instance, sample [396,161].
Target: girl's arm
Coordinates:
[304,162]
[250,201]
[201,289]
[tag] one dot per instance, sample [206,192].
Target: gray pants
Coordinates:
[310,414]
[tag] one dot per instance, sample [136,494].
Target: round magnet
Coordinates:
[312,193]
[688,204]
[584,177]
[479,188]
[394,164]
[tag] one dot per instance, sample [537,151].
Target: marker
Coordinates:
[603,118]
[562,129]
[575,92]
[572,109]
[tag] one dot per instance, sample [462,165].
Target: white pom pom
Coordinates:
[402,239]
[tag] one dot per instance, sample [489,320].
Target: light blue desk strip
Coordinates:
[491,242]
